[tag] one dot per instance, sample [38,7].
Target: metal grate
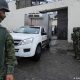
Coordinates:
[16,42]
[16,50]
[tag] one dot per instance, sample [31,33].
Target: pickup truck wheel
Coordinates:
[37,55]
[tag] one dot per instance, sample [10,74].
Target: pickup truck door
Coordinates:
[44,37]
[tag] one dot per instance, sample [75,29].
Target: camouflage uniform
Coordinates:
[7,53]
[76,40]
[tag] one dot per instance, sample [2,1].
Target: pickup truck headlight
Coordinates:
[26,41]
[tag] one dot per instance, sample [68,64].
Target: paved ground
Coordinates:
[55,64]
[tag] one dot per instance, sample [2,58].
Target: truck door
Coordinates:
[44,37]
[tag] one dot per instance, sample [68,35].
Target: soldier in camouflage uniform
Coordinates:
[7,53]
[76,40]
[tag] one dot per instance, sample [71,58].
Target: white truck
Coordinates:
[30,39]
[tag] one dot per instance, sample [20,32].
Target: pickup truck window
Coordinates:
[43,32]
[28,30]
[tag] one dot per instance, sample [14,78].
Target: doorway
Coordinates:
[62,24]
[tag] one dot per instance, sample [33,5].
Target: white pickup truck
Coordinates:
[29,41]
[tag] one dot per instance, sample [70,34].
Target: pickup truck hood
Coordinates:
[22,36]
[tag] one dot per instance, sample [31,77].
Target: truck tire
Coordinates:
[37,55]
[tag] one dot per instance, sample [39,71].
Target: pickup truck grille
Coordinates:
[16,42]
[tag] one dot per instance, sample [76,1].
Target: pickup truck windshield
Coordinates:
[28,30]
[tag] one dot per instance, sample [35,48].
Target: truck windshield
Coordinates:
[28,30]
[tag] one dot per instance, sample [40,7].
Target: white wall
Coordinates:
[13,20]
[73,18]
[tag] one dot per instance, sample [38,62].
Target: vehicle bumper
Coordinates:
[24,50]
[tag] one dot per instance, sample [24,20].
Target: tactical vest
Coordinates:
[2,49]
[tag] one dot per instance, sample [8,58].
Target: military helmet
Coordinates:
[76,29]
[4,5]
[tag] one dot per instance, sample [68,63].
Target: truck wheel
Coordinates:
[37,55]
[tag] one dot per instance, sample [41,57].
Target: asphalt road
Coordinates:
[55,64]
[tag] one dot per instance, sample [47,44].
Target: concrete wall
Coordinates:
[13,20]
[73,17]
